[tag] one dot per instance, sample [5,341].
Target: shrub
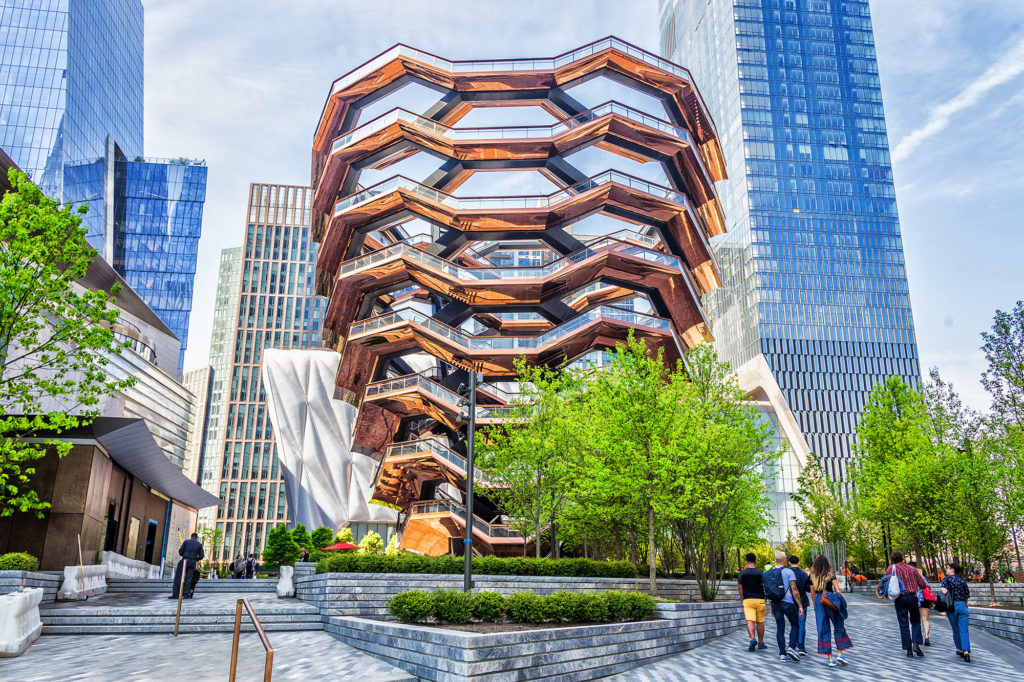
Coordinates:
[525,607]
[639,606]
[371,543]
[18,561]
[392,548]
[404,562]
[281,549]
[411,607]
[301,537]
[452,606]
[615,602]
[488,606]
[345,535]
[321,537]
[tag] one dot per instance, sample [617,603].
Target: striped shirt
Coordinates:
[912,580]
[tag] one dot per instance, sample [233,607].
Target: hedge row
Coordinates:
[450,606]
[18,561]
[488,565]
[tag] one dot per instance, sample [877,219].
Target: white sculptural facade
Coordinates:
[326,484]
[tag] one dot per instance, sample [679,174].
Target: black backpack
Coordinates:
[774,588]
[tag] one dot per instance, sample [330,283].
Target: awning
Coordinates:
[130,444]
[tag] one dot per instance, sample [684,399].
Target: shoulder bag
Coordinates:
[825,601]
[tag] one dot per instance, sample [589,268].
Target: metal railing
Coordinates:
[268,664]
[459,511]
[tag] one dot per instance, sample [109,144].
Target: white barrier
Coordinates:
[81,582]
[19,621]
[285,586]
[119,566]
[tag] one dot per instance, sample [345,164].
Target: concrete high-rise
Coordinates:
[265,300]
[815,309]
[71,117]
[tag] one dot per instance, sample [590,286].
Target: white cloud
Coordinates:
[1005,69]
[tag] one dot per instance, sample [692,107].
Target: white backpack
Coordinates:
[895,587]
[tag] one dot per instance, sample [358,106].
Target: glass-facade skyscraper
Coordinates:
[274,307]
[71,117]
[71,73]
[815,310]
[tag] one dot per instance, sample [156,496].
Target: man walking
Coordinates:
[191,553]
[752,595]
[907,609]
[803,583]
[250,566]
[780,588]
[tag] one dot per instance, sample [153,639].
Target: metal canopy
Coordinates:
[130,444]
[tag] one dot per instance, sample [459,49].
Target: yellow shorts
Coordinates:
[754,609]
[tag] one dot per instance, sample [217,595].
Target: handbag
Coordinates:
[944,602]
[928,595]
[827,603]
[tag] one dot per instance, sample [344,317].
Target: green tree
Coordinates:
[345,535]
[529,460]
[392,548]
[281,549]
[301,537]
[321,537]
[372,543]
[900,466]
[55,337]
[211,537]
[719,457]
[824,518]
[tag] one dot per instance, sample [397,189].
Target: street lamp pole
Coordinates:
[467,546]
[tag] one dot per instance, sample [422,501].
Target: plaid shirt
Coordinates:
[912,580]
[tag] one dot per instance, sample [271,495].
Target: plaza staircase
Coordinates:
[142,606]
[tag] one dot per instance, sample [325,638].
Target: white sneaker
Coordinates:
[793,654]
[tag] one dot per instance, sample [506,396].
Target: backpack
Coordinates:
[774,589]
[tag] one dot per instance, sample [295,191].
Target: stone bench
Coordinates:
[19,621]
[82,582]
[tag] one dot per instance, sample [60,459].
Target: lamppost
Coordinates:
[467,544]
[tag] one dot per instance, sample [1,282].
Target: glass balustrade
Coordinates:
[475,343]
[508,132]
[511,202]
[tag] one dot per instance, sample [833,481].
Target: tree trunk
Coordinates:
[652,552]
[555,551]
[991,583]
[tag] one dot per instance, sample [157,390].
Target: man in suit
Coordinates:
[191,553]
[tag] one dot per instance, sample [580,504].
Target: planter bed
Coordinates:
[576,652]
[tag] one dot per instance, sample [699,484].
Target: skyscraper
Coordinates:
[274,308]
[815,310]
[71,116]
[197,382]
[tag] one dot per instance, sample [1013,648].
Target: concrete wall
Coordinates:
[999,622]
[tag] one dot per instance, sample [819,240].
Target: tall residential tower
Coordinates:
[815,310]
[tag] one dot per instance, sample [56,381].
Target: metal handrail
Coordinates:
[268,665]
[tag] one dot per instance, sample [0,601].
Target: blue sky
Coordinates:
[242,84]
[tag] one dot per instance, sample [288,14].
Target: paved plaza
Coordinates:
[876,655]
[196,657]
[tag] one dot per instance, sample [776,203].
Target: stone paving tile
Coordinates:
[876,655]
[195,658]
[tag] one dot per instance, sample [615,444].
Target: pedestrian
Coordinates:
[924,607]
[803,582]
[958,616]
[191,553]
[239,566]
[754,607]
[780,588]
[305,555]
[825,586]
[907,609]
[250,566]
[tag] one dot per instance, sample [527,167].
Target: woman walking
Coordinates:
[958,615]
[908,611]
[924,607]
[828,615]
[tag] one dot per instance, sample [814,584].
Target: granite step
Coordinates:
[185,626]
[206,586]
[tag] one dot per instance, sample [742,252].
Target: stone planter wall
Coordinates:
[1008,625]
[366,594]
[48,582]
[574,653]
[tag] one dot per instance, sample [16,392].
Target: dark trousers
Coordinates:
[784,611]
[191,577]
[910,620]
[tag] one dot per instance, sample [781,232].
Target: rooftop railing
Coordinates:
[505,65]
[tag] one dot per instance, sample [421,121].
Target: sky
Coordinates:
[242,84]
